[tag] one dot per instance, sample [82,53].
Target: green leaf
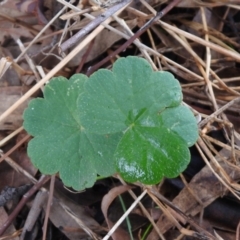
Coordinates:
[181,121]
[146,107]
[60,143]
[147,154]
[111,100]
[130,120]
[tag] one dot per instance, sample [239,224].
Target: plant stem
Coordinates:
[93,24]
[23,201]
[127,218]
[136,35]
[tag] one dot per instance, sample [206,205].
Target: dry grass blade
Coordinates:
[198,43]
[5,63]
[52,72]
[232,54]
[80,222]
[174,217]
[124,215]
[93,24]
[118,233]
[176,213]
[219,111]
[144,210]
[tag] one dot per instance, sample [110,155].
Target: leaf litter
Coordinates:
[206,63]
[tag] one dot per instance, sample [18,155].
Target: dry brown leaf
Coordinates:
[8,96]
[102,42]
[206,3]
[205,186]
[10,177]
[10,9]
[61,219]
[106,202]
[9,29]
[17,22]
[10,230]
[32,7]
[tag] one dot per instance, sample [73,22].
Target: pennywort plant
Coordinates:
[130,120]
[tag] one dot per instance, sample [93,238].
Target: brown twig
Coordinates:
[203,234]
[49,203]
[219,111]
[23,201]
[93,24]
[85,56]
[14,148]
[136,35]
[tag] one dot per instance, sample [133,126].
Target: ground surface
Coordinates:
[198,42]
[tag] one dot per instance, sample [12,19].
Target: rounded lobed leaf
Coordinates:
[111,100]
[131,115]
[147,154]
[146,107]
[60,143]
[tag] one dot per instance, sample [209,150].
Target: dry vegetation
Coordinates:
[199,42]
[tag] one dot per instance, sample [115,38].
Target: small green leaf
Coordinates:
[147,154]
[60,143]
